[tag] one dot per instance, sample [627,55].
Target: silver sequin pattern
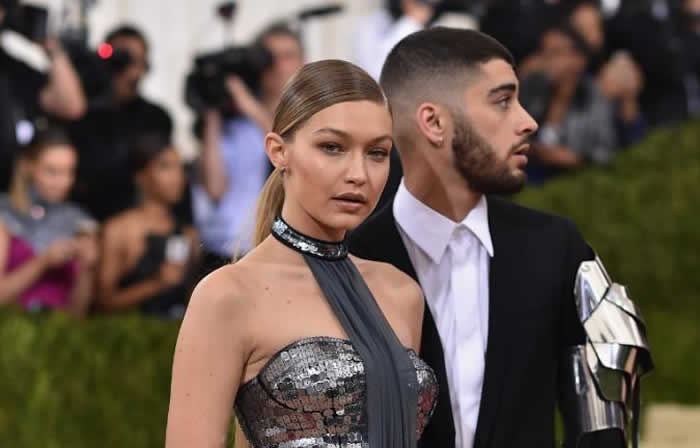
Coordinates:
[322,249]
[311,394]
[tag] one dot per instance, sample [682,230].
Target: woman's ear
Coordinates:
[276,150]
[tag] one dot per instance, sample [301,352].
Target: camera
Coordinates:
[96,68]
[28,20]
[205,86]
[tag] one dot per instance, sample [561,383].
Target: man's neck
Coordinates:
[448,195]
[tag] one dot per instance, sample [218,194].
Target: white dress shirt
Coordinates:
[451,260]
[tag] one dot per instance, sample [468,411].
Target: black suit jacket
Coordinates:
[532,319]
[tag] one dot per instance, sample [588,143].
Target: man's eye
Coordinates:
[504,102]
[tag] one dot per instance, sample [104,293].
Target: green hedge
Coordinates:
[640,215]
[104,382]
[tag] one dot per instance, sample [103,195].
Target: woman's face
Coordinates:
[336,164]
[164,177]
[52,174]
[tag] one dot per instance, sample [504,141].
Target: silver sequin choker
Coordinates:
[327,250]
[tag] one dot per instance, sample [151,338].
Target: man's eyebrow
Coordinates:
[507,87]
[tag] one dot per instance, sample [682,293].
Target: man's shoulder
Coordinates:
[146,104]
[543,229]
[528,218]
[154,114]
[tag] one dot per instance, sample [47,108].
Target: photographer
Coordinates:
[45,84]
[113,121]
[386,27]
[233,165]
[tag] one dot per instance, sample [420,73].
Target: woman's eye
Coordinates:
[379,153]
[330,147]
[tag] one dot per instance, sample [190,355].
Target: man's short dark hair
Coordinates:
[127,31]
[435,56]
[567,30]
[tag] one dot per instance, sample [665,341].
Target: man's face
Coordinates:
[562,59]
[491,132]
[126,83]
[288,58]
[692,10]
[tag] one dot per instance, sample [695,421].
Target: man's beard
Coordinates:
[477,162]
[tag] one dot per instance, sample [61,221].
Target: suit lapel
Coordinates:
[388,245]
[502,267]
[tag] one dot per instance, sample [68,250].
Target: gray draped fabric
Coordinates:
[392,388]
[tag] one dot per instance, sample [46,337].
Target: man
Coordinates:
[501,319]
[233,166]
[31,86]
[380,31]
[113,121]
[578,121]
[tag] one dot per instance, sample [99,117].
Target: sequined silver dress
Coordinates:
[312,394]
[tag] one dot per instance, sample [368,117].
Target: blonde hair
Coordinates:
[316,86]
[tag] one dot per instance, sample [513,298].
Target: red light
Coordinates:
[105,51]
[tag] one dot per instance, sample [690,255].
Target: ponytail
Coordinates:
[268,207]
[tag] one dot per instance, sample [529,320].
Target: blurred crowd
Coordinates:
[100,213]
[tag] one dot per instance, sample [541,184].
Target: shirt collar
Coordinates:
[432,231]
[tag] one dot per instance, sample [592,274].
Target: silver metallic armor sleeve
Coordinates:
[602,377]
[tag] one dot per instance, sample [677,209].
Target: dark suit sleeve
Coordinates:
[577,251]
[572,330]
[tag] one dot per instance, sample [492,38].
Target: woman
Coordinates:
[148,255]
[48,248]
[292,333]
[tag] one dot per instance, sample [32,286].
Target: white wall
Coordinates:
[178,29]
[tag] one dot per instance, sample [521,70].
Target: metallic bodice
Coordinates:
[311,394]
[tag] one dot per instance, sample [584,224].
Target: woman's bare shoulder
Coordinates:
[230,288]
[122,225]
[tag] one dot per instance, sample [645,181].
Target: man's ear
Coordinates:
[276,150]
[431,119]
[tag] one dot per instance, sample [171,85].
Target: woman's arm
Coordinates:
[84,289]
[22,278]
[114,243]
[195,250]
[210,358]
[211,162]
